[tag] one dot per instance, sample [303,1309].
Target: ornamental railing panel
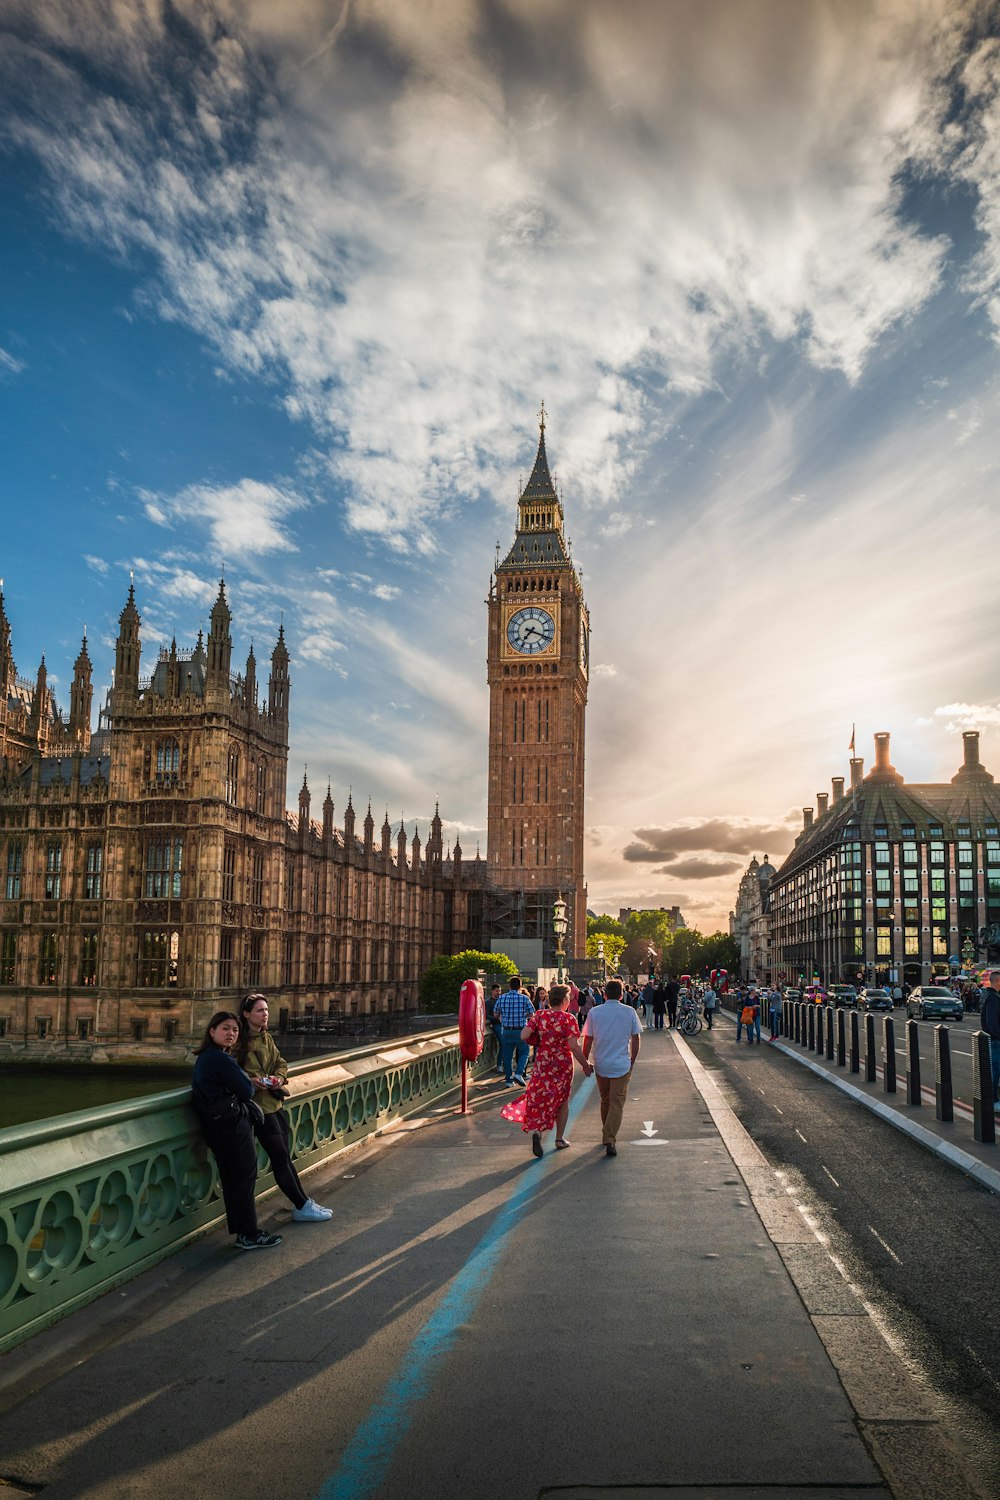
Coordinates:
[91,1199]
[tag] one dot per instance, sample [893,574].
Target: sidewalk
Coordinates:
[953,1140]
[476,1324]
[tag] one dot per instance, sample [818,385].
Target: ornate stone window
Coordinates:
[48,959]
[159,959]
[8,957]
[92,874]
[15,868]
[257,881]
[168,762]
[162,872]
[53,874]
[233,776]
[88,958]
[260,789]
[229,872]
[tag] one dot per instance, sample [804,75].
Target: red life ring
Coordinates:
[471,1019]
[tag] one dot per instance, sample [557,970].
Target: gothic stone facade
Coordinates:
[151,874]
[538,662]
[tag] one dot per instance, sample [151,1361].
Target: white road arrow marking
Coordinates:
[647,1128]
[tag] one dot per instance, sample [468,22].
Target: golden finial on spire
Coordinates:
[541,419]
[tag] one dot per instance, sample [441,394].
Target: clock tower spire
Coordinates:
[537,669]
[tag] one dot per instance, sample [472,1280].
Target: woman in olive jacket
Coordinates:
[257,1053]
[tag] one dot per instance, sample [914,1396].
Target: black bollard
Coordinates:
[889,1055]
[870,1058]
[841,1037]
[944,1105]
[913,1063]
[855,1042]
[983,1124]
[812,1027]
[796,1021]
[829,1034]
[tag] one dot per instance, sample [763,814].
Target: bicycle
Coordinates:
[690,1019]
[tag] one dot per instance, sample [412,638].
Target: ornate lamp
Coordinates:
[560,926]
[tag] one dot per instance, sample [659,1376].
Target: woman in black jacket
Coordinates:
[219,1089]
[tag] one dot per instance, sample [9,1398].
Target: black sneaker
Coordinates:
[258,1241]
[611,1149]
[536,1144]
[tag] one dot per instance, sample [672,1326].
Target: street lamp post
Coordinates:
[600,959]
[560,926]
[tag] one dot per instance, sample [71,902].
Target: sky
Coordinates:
[282,288]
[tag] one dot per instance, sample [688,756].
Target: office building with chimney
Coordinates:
[888,881]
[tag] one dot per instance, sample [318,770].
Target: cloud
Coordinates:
[243,519]
[96,563]
[408,213]
[719,834]
[8,364]
[697,869]
[604,669]
[968,716]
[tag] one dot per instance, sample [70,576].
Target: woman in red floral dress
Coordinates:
[545,1102]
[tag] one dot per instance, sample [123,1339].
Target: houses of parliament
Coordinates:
[152,872]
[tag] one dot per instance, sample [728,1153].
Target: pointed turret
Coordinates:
[349,821]
[38,723]
[128,649]
[415,847]
[305,801]
[251,679]
[401,844]
[386,836]
[328,814]
[435,839]
[8,671]
[220,644]
[279,683]
[81,697]
[369,826]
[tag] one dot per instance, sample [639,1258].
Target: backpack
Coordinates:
[747,1015]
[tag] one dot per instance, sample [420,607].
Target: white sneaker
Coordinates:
[311,1213]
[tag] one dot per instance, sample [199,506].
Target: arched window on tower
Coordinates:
[233,776]
[260,790]
[168,761]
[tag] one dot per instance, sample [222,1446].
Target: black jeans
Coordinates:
[232,1144]
[273,1136]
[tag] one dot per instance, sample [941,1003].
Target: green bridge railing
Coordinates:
[91,1199]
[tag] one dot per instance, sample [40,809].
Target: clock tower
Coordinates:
[538,664]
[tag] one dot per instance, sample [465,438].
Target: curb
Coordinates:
[987,1177]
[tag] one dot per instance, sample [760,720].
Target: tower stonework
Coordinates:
[538,663]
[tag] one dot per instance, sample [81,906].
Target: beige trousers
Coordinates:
[612,1092]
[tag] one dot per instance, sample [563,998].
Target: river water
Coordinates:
[36,1093]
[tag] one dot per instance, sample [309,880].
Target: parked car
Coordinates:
[875,999]
[932,1002]
[792,993]
[842,994]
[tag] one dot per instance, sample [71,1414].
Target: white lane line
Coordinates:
[801,1137]
[831,1176]
[887,1248]
[780,1111]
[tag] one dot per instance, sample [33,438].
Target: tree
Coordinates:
[610,926]
[443,978]
[614,944]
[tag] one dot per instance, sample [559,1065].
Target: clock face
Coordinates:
[584,646]
[531,630]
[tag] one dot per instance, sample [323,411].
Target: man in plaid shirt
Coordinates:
[513,1010]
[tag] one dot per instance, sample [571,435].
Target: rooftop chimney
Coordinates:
[972,765]
[807,818]
[822,802]
[838,789]
[857,771]
[882,768]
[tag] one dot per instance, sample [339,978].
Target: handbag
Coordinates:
[253,1112]
[747,1015]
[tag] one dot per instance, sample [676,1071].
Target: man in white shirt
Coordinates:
[611,1031]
